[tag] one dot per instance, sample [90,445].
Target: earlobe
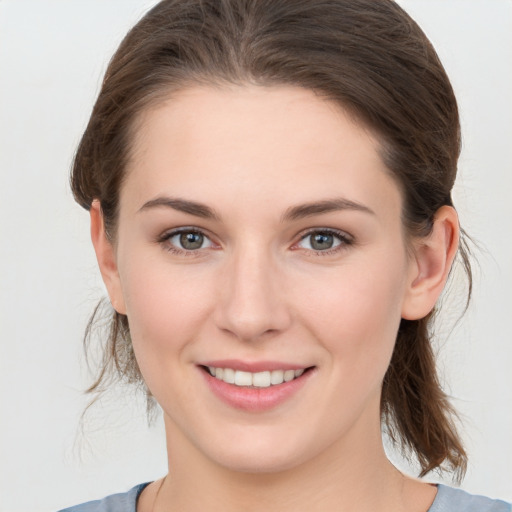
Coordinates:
[433,258]
[105,254]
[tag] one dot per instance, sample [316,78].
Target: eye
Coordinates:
[186,240]
[324,240]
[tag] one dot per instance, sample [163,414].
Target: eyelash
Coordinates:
[344,239]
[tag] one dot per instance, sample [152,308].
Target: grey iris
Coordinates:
[191,241]
[321,241]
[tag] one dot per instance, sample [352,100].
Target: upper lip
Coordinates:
[253,366]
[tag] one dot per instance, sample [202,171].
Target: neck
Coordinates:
[352,475]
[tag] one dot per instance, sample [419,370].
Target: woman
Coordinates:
[269,185]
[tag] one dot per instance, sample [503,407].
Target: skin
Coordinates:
[257,290]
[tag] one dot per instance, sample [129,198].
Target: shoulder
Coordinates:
[449,499]
[123,502]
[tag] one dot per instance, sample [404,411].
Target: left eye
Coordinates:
[322,241]
[189,240]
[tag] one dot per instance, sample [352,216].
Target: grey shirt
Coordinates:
[447,499]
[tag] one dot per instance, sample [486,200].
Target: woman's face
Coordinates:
[259,234]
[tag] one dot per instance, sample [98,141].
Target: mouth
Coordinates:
[255,391]
[263,379]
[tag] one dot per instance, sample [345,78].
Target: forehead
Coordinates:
[270,143]
[234,115]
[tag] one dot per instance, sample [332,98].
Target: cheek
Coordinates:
[358,316]
[165,308]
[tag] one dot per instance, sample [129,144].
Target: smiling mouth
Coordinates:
[263,379]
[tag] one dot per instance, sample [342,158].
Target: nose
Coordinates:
[252,303]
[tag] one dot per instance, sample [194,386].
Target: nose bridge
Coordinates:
[252,299]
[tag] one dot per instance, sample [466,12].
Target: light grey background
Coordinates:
[52,56]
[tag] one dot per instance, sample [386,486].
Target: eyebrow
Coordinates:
[293,213]
[326,206]
[182,205]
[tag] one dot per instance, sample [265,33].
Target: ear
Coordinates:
[432,260]
[105,254]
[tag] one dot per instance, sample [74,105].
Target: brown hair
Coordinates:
[368,56]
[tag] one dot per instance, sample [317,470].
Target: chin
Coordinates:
[259,456]
[258,464]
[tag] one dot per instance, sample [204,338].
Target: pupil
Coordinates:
[322,241]
[191,240]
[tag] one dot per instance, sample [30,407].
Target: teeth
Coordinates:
[229,376]
[241,378]
[258,380]
[276,377]
[289,375]
[261,379]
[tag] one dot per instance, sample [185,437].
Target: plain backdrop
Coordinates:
[52,57]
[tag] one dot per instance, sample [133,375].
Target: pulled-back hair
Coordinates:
[367,56]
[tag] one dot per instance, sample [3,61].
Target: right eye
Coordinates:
[186,240]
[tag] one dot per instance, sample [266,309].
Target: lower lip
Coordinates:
[255,399]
